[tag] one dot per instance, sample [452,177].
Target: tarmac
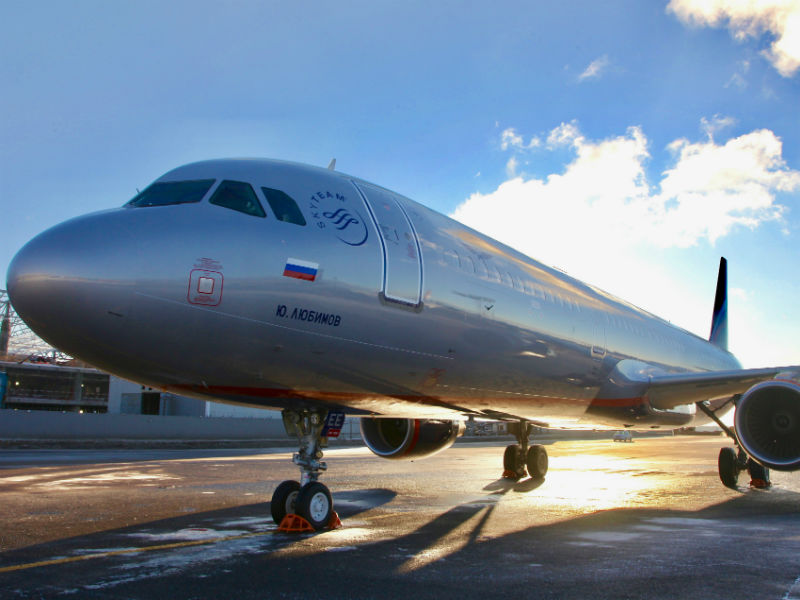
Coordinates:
[647,519]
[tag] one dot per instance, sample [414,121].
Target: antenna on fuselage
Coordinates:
[332,165]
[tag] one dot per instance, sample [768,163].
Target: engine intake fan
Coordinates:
[768,424]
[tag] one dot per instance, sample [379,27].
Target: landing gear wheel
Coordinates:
[315,505]
[512,465]
[759,474]
[537,461]
[728,465]
[284,499]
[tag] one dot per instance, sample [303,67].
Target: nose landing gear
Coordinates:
[305,505]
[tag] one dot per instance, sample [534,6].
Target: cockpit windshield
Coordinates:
[172,192]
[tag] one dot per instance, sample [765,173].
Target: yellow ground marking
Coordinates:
[61,561]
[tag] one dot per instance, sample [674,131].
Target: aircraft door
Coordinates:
[402,260]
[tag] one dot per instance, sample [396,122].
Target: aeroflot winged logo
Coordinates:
[332,211]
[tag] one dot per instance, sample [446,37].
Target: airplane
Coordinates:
[291,287]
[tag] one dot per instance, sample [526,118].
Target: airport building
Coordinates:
[43,385]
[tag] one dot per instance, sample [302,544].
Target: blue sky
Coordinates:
[630,143]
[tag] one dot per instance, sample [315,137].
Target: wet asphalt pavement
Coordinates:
[611,520]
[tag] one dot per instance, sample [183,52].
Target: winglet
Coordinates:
[719,320]
[332,165]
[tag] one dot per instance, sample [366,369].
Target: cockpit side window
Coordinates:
[239,196]
[283,206]
[164,193]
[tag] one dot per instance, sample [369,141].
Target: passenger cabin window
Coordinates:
[283,206]
[238,196]
[165,193]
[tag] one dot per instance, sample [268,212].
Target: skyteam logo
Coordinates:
[332,211]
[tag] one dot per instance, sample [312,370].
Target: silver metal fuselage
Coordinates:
[409,314]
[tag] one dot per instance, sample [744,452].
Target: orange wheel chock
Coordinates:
[335,522]
[292,523]
[760,484]
[510,475]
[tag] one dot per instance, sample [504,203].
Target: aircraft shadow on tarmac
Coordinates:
[349,504]
[522,485]
[745,547]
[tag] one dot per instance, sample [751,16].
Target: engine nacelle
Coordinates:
[768,424]
[409,438]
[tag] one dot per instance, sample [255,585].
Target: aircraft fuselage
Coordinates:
[376,305]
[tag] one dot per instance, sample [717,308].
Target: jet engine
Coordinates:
[409,438]
[768,424]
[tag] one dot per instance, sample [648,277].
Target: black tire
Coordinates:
[284,499]
[757,471]
[315,505]
[537,461]
[728,465]
[511,462]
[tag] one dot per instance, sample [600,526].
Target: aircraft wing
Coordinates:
[666,392]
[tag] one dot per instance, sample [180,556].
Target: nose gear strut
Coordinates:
[306,505]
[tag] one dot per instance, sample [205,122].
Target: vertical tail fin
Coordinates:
[719,320]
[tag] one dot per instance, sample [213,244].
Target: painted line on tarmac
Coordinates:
[71,559]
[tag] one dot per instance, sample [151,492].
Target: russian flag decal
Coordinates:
[300,269]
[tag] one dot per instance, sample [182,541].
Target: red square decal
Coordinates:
[205,287]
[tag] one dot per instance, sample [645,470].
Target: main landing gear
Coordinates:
[520,455]
[308,499]
[733,461]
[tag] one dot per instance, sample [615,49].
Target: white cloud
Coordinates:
[717,187]
[601,220]
[716,124]
[738,78]
[511,139]
[566,134]
[710,189]
[750,19]
[595,68]
[511,166]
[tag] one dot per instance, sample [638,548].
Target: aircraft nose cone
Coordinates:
[72,283]
[29,280]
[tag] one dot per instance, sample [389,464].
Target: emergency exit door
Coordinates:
[402,262]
